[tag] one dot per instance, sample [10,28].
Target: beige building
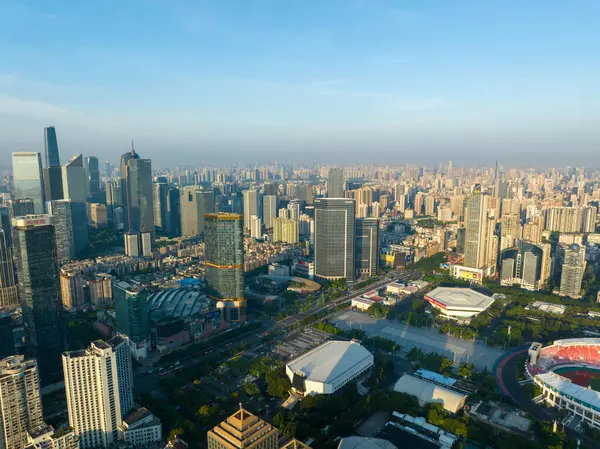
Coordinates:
[71,289]
[243,430]
[98,215]
[287,231]
[101,293]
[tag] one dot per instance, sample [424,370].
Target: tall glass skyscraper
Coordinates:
[131,310]
[75,190]
[334,238]
[136,188]
[28,181]
[367,246]
[224,239]
[9,296]
[51,147]
[335,183]
[34,245]
[62,219]
[93,175]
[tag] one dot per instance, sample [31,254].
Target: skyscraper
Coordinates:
[20,207]
[51,147]
[251,206]
[9,295]
[62,220]
[75,190]
[20,401]
[480,225]
[525,264]
[572,265]
[159,193]
[269,210]
[173,218]
[255,227]
[27,175]
[92,390]
[335,183]
[136,189]
[120,347]
[93,177]
[367,246]
[132,316]
[510,230]
[334,238]
[194,203]
[34,244]
[224,254]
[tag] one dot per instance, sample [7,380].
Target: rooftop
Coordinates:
[460,298]
[329,361]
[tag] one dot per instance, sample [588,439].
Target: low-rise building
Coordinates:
[140,428]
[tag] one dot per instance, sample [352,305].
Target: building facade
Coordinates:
[367,246]
[27,178]
[34,244]
[243,430]
[62,220]
[335,183]
[9,294]
[132,316]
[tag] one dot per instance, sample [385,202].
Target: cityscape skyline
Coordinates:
[219,84]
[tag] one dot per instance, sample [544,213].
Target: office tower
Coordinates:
[335,183]
[98,216]
[136,191]
[5,216]
[450,171]
[146,244]
[132,244]
[62,219]
[572,266]
[92,390]
[304,192]
[510,230]
[20,401]
[269,210]
[51,147]
[11,333]
[120,347]
[21,207]
[194,204]
[334,238]
[74,189]
[255,227]
[114,198]
[71,289]
[159,193]
[526,265]
[132,316]
[93,174]
[243,430]
[479,236]
[101,290]
[224,254]
[251,206]
[285,230]
[9,295]
[270,188]
[173,217]
[27,176]
[367,246]
[34,245]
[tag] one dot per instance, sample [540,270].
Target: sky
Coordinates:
[221,82]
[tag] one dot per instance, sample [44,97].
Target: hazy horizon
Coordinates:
[223,82]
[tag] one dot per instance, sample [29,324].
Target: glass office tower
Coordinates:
[28,180]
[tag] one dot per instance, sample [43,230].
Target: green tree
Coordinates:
[176,432]
[465,370]
[446,365]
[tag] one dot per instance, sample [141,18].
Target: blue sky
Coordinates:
[226,81]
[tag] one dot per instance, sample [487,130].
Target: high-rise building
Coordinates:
[21,207]
[71,289]
[98,216]
[101,290]
[285,230]
[571,260]
[34,245]
[194,204]
[120,346]
[5,225]
[75,190]
[251,206]
[367,246]
[159,192]
[479,237]
[255,227]
[269,210]
[335,183]
[9,294]
[51,147]
[510,230]
[294,210]
[62,219]
[571,219]
[132,316]
[132,244]
[173,214]
[92,389]
[224,254]
[533,229]
[136,190]
[334,238]
[20,401]
[243,430]
[525,264]
[27,176]
[93,178]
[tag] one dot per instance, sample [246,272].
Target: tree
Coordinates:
[205,410]
[465,370]
[176,432]
[378,310]
[446,365]
[418,305]
[251,389]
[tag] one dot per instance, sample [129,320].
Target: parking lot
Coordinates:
[427,339]
[300,342]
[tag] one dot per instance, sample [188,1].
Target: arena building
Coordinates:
[565,371]
[458,303]
[328,367]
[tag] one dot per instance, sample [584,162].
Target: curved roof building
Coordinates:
[179,303]
[428,392]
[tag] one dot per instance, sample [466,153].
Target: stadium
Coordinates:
[568,372]
[458,303]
